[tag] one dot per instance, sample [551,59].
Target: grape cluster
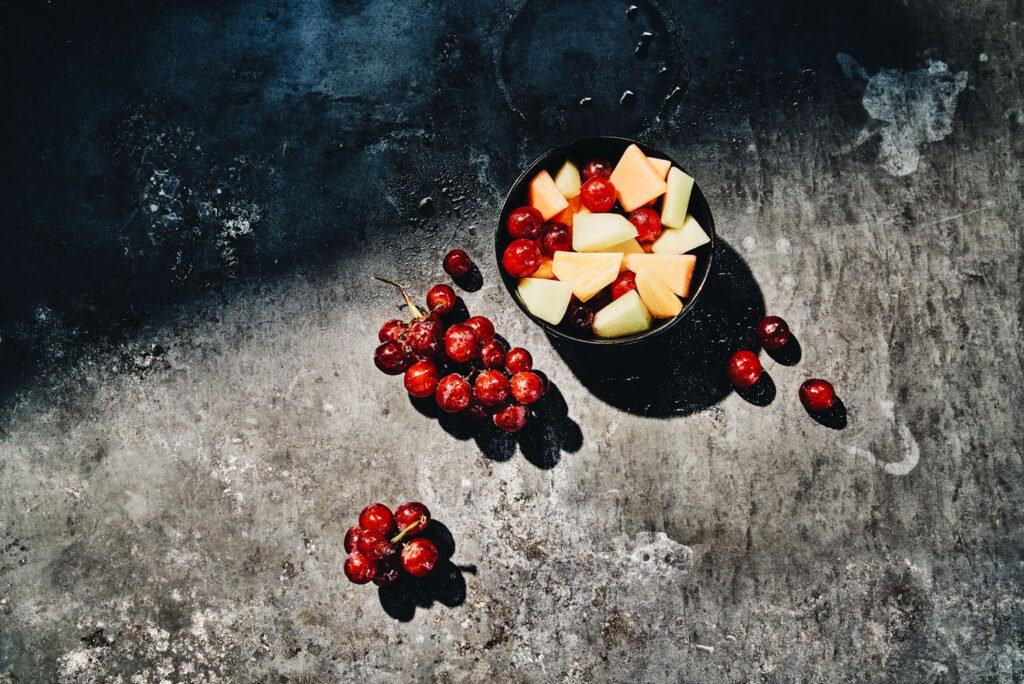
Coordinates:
[371,545]
[462,365]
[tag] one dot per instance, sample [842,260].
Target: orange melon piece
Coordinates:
[675,270]
[661,166]
[544,270]
[659,300]
[636,181]
[587,272]
[545,196]
[566,216]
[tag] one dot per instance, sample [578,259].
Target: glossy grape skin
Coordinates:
[374,545]
[526,387]
[441,299]
[421,379]
[352,538]
[579,318]
[411,512]
[773,333]
[378,517]
[482,328]
[817,395]
[524,222]
[492,354]
[453,393]
[521,258]
[425,337]
[598,167]
[476,410]
[392,358]
[511,416]
[623,284]
[555,237]
[460,343]
[744,369]
[491,387]
[647,223]
[419,557]
[392,330]
[389,569]
[598,195]
[457,263]
[359,569]
[518,360]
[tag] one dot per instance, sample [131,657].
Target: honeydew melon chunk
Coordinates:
[624,316]
[568,180]
[677,198]
[675,270]
[597,232]
[630,246]
[586,273]
[687,237]
[657,297]
[545,299]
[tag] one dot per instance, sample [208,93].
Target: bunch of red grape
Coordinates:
[372,554]
[462,365]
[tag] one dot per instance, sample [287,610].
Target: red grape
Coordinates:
[526,387]
[599,168]
[518,360]
[360,569]
[556,237]
[377,517]
[388,571]
[374,545]
[647,224]
[392,330]
[476,410]
[491,387]
[392,357]
[524,222]
[521,258]
[441,299]
[598,195]
[453,393]
[623,284]
[419,557]
[510,417]
[408,513]
[460,343]
[492,353]
[421,379]
[744,368]
[457,263]
[817,395]
[579,318]
[352,538]
[772,333]
[482,327]
[424,337]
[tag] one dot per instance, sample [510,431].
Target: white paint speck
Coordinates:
[983,57]
[749,243]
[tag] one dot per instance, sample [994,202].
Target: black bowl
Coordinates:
[581,152]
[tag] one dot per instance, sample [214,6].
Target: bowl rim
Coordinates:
[626,340]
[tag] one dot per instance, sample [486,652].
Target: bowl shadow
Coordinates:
[682,371]
[548,432]
[444,584]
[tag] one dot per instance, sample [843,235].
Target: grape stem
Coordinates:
[410,528]
[408,300]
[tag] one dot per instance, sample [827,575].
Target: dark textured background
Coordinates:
[194,196]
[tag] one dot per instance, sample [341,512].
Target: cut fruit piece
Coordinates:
[659,300]
[569,214]
[661,166]
[545,196]
[679,240]
[597,232]
[677,198]
[624,316]
[568,180]
[675,270]
[544,270]
[636,181]
[588,274]
[630,246]
[545,299]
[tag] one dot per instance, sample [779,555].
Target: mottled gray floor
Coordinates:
[190,419]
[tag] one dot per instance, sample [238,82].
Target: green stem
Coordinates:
[410,528]
[408,300]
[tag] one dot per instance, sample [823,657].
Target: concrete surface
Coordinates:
[194,198]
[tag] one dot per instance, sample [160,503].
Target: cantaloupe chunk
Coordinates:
[636,181]
[659,300]
[597,232]
[586,273]
[568,180]
[675,270]
[661,166]
[569,215]
[679,240]
[544,269]
[545,299]
[677,198]
[545,196]
[624,316]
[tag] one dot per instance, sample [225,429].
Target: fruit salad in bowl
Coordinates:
[605,241]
